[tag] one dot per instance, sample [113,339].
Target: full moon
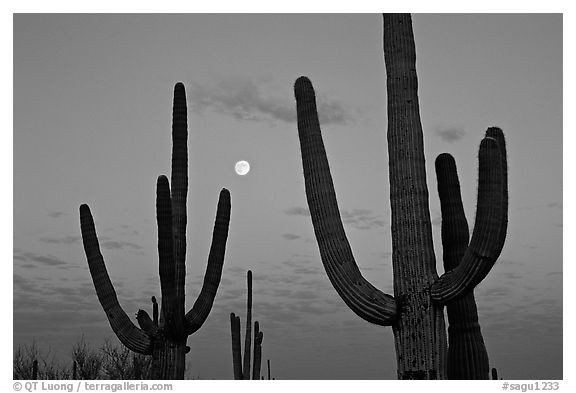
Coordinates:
[242,167]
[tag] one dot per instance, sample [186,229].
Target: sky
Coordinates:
[92,122]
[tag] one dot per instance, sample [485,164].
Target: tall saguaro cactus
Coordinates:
[415,311]
[165,340]
[242,370]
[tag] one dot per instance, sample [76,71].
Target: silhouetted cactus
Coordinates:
[154,311]
[35,369]
[467,355]
[242,371]
[258,337]
[166,339]
[494,373]
[415,312]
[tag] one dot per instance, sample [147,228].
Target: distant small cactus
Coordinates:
[242,370]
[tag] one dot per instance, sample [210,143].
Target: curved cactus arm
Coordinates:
[497,134]
[179,182]
[167,265]
[203,304]
[236,346]
[362,297]
[131,336]
[489,229]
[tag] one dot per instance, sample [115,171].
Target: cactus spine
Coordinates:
[242,370]
[415,312]
[165,340]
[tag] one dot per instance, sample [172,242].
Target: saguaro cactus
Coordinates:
[494,373]
[165,340]
[35,369]
[415,312]
[242,370]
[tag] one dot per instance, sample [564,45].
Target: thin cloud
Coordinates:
[61,240]
[56,214]
[247,100]
[511,275]
[297,211]
[356,218]
[105,242]
[120,245]
[302,267]
[38,259]
[554,274]
[495,292]
[555,205]
[362,219]
[290,236]
[451,134]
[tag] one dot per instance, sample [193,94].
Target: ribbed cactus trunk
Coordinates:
[169,360]
[420,333]
[164,336]
[415,312]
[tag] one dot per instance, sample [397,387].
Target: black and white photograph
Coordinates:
[288,196]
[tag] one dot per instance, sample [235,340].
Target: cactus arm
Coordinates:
[146,323]
[258,337]
[131,336]
[497,134]
[489,229]
[467,357]
[236,346]
[179,181]
[154,310]
[362,297]
[248,339]
[167,266]
[203,304]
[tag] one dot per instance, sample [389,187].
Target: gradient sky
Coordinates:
[92,120]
